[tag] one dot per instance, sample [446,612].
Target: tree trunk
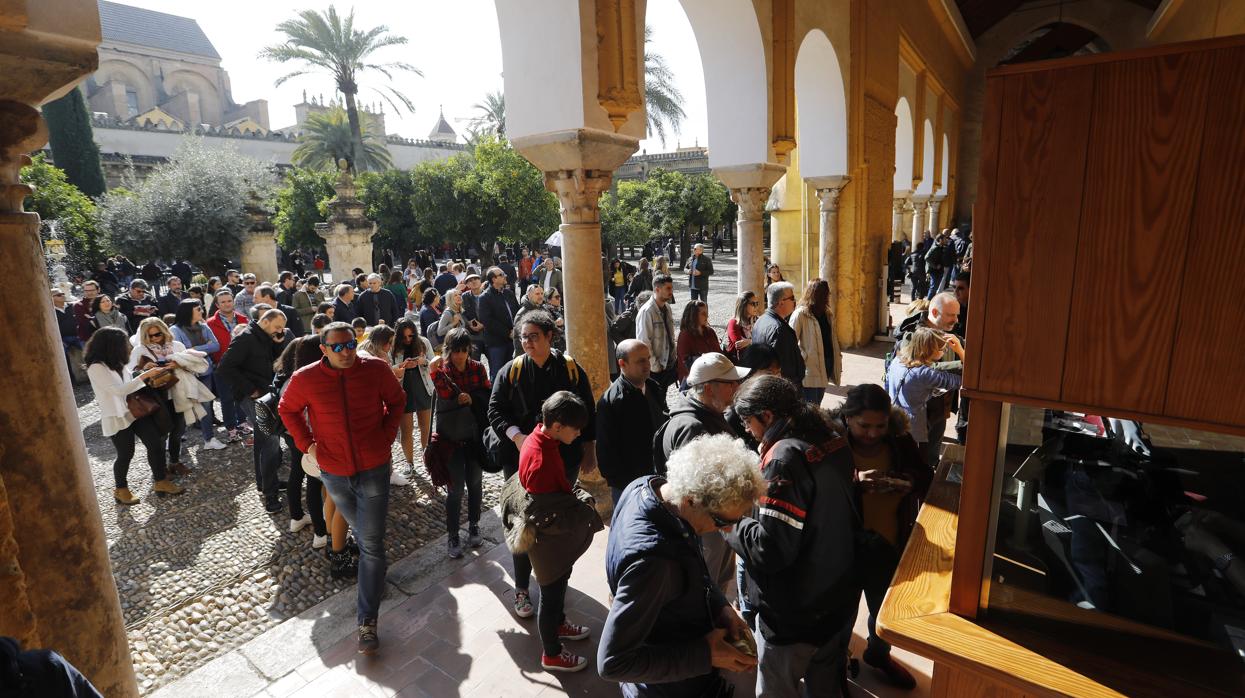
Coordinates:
[356,132]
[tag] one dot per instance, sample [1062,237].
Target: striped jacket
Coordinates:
[798,546]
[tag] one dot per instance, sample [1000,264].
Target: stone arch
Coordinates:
[926,186]
[188,81]
[905,137]
[543,78]
[732,54]
[821,102]
[132,76]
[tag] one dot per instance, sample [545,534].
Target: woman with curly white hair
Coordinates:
[662,637]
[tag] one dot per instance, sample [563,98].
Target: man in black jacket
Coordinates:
[629,413]
[699,269]
[712,383]
[344,307]
[137,305]
[520,388]
[503,263]
[247,368]
[772,330]
[497,309]
[168,302]
[294,322]
[151,274]
[376,304]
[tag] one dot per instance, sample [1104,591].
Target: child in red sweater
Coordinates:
[542,471]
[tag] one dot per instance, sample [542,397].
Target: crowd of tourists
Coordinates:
[748,521]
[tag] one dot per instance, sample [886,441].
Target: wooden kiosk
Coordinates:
[1108,294]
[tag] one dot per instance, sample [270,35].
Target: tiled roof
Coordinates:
[134,25]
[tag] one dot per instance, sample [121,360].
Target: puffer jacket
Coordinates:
[798,547]
[353,413]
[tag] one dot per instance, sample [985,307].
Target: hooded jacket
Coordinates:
[798,547]
[688,419]
[246,366]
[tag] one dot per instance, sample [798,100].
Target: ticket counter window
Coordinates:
[1109,528]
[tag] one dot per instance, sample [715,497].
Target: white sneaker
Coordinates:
[213,444]
[397,479]
[319,542]
[297,525]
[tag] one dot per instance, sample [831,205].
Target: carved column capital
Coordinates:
[829,196]
[579,193]
[898,205]
[21,131]
[751,202]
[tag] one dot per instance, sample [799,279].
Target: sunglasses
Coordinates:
[155,335]
[339,347]
[720,522]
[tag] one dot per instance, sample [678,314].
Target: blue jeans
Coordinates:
[266,454]
[813,395]
[935,283]
[205,424]
[228,406]
[498,355]
[619,295]
[364,500]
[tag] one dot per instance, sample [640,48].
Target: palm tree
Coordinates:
[330,43]
[327,139]
[662,99]
[492,118]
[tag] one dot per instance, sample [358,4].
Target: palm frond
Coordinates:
[663,101]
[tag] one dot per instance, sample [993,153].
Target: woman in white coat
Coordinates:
[813,322]
[154,346]
[106,355]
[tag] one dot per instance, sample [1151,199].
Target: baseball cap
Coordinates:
[715,367]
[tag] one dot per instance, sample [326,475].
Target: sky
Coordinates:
[454,44]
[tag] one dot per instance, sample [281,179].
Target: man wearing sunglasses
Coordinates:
[344,413]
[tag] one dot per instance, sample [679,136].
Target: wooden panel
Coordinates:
[974,510]
[1140,176]
[1207,379]
[1041,172]
[983,228]
[949,682]
[922,581]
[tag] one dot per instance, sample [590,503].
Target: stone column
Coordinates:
[919,205]
[347,233]
[935,203]
[828,190]
[55,579]
[259,245]
[579,194]
[750,187]
[898,234]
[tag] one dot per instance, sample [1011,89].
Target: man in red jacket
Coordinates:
[344,412]
[222,323]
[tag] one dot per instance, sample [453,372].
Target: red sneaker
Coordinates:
[566,661]
[570,631]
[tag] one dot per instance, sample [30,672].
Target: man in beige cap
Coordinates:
[711,385]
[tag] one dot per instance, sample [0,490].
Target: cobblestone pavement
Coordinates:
[203,572]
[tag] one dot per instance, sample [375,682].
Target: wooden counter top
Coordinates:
[1062,656]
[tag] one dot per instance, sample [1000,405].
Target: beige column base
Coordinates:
[259,256]
[56,583]
[750,187]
